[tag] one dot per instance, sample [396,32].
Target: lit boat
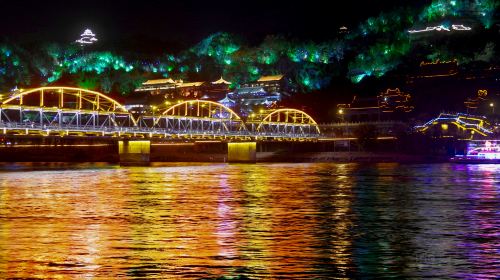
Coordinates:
[480,151]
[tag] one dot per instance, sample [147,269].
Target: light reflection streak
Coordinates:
[483,220]
[293,221]
[227,225]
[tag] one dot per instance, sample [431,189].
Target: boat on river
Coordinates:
[480,151]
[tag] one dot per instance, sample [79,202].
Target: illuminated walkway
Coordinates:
[464,122]
[67,111]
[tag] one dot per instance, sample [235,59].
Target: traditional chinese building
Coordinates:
[437,69]
[175,90]
[217,90]
[473,103]
[388,105]
[264,93]
[359,110]
[275,83]
[343,30]
[394,101]
[460,126]
[157,86]
[484,104]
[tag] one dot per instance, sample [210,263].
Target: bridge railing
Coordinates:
[149,130]
[111,129]
[67,109]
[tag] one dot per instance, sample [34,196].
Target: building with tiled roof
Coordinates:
[175,90]
[274,83]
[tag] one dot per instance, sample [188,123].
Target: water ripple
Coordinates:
[261,221]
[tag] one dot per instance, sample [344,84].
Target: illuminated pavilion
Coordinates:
[264,93]
[174,90]
[389,104]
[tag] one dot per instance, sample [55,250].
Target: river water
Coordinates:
[255,221]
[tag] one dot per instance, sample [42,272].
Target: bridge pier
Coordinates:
[134,153]
[244,152]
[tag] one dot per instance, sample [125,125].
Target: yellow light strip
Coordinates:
[172,144]
[337,139]
[64,145]
[64,88]
[354,138]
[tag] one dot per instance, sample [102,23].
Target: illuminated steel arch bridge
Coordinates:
[80,112]
[196,119]
[287,123]
[62,110]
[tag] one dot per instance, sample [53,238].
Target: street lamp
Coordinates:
[492,105]
[341,113]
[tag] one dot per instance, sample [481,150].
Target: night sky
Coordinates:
[177,24]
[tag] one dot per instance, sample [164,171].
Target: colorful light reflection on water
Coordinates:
[291,221]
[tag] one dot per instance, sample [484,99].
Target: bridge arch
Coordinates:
[64,106]
[200,117]
[66,98]
[290,122]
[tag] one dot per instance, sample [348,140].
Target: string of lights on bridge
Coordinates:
[79,112]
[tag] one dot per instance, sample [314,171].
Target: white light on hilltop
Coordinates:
[87,38]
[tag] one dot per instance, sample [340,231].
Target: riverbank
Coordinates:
[349,157]
[191,153]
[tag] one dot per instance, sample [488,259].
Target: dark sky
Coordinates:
[182,23]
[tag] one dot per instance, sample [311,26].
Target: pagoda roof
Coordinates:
[159,81]
[249,90]
[221,81]
[226,100]
[193,84]
[270,78]
[170,81]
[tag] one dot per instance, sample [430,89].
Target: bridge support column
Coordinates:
[134,153]
[242,152]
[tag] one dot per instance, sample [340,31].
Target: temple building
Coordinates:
[435,69]
[460,126]
[174,90]
[484,104]
[161,93]
[264,93]
[343,30]
[217,90]
[275,83]
[393,100]
[388,105]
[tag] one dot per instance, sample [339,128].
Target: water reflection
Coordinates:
[263,221]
